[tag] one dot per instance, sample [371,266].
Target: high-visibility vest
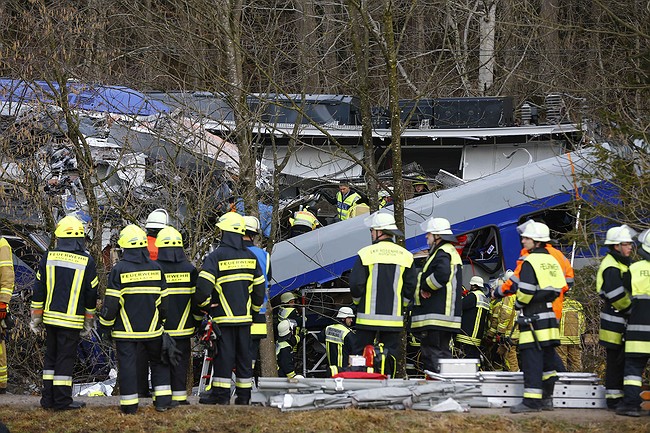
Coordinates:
[304,218]
[473,320]
[572,323]
[637,335]
[343,204]
[612,321]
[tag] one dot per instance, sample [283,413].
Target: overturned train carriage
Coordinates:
[483,213]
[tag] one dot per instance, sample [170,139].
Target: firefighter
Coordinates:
[420,186]
[507,338]
[339,341]
[284,349]
[302,221]
[436,314]
[510,286]
[133,312]
[258,328]
[182,317]
[382,279]
[572,326]
[231,286]
[156,221]
[541,281]
[64,299]
[288,310]
[637,335]
[613,271]
[7,279]
[475,309]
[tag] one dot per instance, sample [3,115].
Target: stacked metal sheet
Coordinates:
[478,389]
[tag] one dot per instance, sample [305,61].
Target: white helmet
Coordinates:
[344,313]
[437,226]
[284,328]
[476,281]
[536,231]
[383,221]
[252,224]
[619,234]
[644,238]
[158,219]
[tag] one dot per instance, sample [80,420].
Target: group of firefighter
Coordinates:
[156,300]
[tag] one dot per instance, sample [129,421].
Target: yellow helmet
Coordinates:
[69,227]
[169,237]
[232,222]
[132,236]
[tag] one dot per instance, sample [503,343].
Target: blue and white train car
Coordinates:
[484,214]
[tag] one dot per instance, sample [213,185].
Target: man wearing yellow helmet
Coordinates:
[64,300]
[231,287]
[133,311]
[182,316]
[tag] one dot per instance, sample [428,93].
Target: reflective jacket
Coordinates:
[258,328]
[180,278]
[231,283]
[637,335]
[66,286]
[152,248]
[339,345]
[304,218]
[510,286]
[541,281]
[572,324]
[135,301]
[609,285]
[475,308]
[7,276]
[493,319]
[508,318]
[442,278]
[343,204]
[382,278]
[284,355]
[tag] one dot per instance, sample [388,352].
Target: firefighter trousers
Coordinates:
[178,372]
[434,346]
[571,356]
[127,355]
[634,367]
[614,372]
[58,365]
[233,353]
[540,375]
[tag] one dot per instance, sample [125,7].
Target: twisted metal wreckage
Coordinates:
[124,129]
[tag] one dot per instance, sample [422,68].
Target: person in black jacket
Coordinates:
[64,299]
[382,278]
[133,311]
[182,316]
[284,349]
[231,286]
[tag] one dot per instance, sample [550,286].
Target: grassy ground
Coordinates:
[206,419]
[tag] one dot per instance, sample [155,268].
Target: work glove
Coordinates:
[89,323]
[3,310]
[37,319]
[170,354]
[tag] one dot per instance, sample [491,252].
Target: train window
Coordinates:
[481,248]
[560,220]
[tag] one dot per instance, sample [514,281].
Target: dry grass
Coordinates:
[195,419]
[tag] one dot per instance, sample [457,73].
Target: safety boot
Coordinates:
[522,408]
[628,411]
[241,401]
[213,399]
[72,406]
[547,404]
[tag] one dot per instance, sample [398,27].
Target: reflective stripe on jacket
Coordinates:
[343,204]
[637,336]
[475,308]
[380,281]
[442,277]
[65,288]
[610,287]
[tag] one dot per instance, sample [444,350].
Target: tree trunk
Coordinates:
[487,29]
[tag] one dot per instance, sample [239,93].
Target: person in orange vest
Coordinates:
[156,221]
